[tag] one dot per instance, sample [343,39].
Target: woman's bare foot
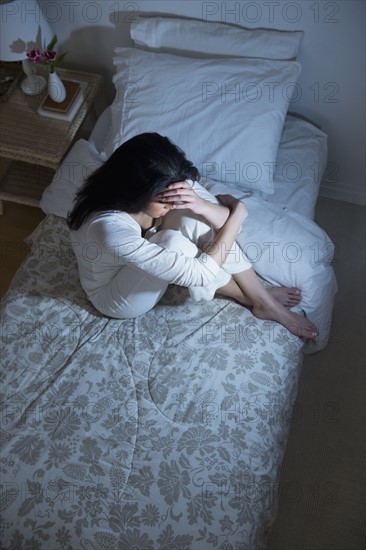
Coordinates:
[246,289]
[287,296]
[297,324]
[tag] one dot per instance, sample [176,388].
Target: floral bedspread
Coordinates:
[162,432]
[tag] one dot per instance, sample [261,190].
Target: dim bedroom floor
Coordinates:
[322,505]
[323,478]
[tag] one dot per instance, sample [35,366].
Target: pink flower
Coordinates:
[35,55]
[49,56]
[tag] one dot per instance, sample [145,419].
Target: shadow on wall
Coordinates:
[91,48]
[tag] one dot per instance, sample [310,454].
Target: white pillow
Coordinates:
[300,165]
[82,159]
[215,38]
[287,249]
[227,114]
[298,253]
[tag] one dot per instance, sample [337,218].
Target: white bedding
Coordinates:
[300,165]
[214,38]
[228,118]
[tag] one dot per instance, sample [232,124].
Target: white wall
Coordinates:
[332,83]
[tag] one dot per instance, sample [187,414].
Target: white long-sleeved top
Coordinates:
[117,264]
[110,240]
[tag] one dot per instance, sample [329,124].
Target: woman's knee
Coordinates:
[174,240]
[191,226]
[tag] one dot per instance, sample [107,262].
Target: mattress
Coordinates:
[164,431]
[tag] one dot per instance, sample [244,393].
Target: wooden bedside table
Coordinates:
[34,144]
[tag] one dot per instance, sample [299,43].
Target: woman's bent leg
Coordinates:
[265,306]
[133,292]
[202,234]
[244,285]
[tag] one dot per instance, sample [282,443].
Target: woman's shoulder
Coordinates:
[112,216]
[113,222]
[108,222]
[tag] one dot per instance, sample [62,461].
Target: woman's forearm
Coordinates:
[225,217]
[182,195]
[221,246]
[215,214]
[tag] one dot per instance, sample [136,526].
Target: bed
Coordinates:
[168,431]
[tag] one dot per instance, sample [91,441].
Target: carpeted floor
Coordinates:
[322,496]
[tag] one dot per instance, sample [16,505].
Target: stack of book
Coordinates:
[67,109]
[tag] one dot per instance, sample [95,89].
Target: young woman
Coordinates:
[142,221]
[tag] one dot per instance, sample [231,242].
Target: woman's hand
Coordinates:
[226,217]
[181,195]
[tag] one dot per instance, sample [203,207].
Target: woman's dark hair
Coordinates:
[135,173]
